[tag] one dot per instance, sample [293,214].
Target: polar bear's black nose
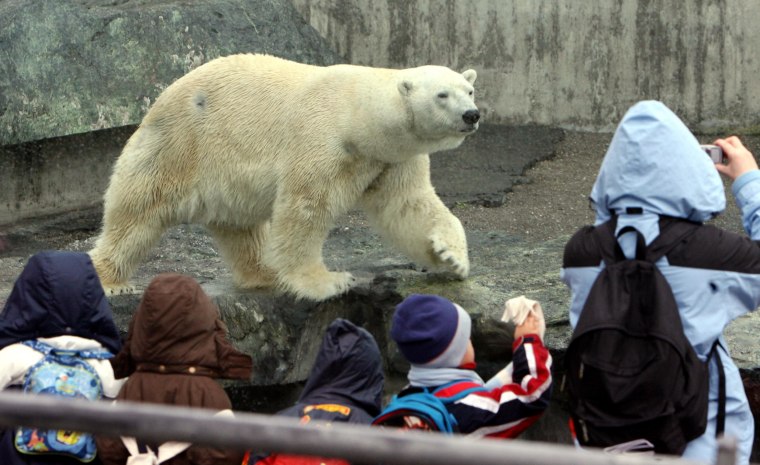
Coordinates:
[471,116]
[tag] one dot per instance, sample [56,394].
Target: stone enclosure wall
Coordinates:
[574,64]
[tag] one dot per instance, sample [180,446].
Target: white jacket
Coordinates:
[16,359]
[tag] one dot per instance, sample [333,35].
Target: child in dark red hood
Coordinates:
[175,350]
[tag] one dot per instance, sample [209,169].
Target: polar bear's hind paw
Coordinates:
[119,289]
[321,287]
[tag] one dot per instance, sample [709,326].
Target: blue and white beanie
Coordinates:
[431,331]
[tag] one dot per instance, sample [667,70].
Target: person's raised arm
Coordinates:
[741,167]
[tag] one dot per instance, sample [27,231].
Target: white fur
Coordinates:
[268,153]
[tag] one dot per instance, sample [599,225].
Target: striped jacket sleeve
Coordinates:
[508,410]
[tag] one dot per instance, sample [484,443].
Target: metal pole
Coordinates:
[356,443]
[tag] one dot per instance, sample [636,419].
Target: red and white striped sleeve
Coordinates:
[509,409]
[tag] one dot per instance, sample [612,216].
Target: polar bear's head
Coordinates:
[440,102]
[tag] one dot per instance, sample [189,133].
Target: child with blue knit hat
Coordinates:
[433,334]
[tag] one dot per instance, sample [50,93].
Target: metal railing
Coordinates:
[356,443]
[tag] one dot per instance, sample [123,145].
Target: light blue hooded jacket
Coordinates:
[654,166]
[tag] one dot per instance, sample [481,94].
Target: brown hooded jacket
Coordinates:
[176,347]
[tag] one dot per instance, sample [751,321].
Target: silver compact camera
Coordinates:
[714,152]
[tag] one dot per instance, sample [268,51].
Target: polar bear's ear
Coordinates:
[405,87]
[470,75]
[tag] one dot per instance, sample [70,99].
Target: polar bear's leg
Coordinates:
[301,271]
[315,282]
[404,208]
[241,249]
[120,248]
[299,229]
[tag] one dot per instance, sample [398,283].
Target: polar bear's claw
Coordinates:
[119,289]
[450,259]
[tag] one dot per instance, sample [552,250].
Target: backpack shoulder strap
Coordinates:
[47,349]
[721,419]
[39,346]
[99,354]
[672,232]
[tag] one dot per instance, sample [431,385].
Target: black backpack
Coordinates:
[631,373]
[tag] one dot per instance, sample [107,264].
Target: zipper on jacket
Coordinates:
[584,431]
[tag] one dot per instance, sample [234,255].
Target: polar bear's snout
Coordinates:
[471,116]
[470,119]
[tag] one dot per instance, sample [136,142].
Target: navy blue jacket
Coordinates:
[346,380]
[57,294]
[348,371]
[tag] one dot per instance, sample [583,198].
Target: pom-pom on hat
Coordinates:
[431,330]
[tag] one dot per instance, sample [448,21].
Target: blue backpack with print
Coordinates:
[62,373]
[423,410]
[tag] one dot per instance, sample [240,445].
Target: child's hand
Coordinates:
[531,325]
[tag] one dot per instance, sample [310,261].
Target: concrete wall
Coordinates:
[58,174]
[576,64]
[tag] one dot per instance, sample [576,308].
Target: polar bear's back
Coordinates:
[234,91]
[263,101]
[239,119]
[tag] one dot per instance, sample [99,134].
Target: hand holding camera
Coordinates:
[738,160]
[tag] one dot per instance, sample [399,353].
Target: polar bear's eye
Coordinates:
[471,92]
[443,95]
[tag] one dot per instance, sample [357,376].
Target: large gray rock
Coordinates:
[78,66]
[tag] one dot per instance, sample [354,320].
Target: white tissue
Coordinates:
[517,309]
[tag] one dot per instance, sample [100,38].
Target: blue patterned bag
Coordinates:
[62,373]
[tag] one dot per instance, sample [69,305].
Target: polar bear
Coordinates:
[267,153]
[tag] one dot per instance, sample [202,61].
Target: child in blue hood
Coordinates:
[653,175]
[57,300]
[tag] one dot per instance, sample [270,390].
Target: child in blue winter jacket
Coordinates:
[655,176]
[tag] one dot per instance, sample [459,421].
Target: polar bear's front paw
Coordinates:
[119,289]
[319,286]
[451,258]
